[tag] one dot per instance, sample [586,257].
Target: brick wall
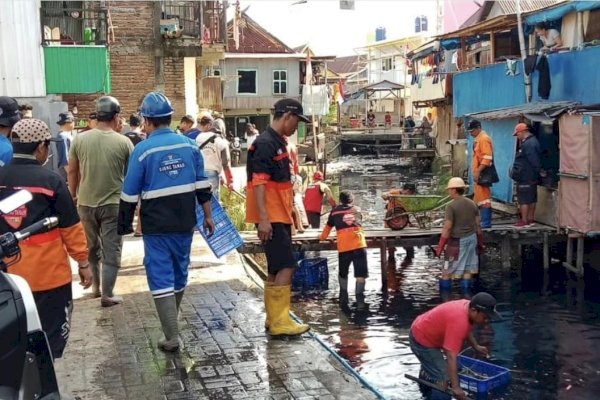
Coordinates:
[86,103]
[132,79]
[132,59]
[175,85]
[133,62]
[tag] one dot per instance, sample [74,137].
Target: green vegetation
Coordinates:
[235,206]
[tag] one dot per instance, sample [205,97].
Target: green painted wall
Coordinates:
[77,69]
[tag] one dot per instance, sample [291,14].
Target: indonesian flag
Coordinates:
[340,93]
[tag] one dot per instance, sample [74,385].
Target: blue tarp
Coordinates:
[454,43]
[450,44]
[556,13]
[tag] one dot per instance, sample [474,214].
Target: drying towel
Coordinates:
[544,84]
[530,63]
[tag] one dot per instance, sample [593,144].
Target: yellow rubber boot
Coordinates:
[267,284]
[278,310]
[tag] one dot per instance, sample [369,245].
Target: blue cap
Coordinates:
[156,105]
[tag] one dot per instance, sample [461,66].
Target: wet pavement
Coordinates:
[112,354]
[548,336]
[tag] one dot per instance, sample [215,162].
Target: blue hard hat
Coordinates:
[156,105]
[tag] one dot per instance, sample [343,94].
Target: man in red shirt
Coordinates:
[444,330]
[313,199]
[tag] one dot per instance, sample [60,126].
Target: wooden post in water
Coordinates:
[579,260]
[505,251]
[569,251]
[546,252]
[383,250]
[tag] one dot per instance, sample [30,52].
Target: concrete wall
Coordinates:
[445,129]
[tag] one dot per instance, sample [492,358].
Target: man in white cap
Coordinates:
[462,233]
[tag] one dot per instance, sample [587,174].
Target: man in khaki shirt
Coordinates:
[97,165]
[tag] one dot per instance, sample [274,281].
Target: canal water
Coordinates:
[549,335]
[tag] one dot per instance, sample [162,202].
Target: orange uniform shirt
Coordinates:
[269,165]
[346,221]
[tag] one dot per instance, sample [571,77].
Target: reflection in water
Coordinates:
[548,336]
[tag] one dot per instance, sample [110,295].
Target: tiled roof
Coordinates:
[255,39]
[344,65]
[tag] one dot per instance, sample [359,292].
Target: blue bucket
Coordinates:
[311,274]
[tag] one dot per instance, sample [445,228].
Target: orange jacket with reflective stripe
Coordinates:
[44,262]
[483,150]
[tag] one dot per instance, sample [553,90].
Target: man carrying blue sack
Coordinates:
[167,172]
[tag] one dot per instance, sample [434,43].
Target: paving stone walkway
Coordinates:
[112,352]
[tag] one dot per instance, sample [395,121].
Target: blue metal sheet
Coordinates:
[574,76]
[504,155]
[487,88]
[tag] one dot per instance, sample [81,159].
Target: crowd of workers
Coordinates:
[162,175]
[106,175]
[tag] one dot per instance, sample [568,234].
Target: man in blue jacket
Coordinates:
[526,173]
[166,171]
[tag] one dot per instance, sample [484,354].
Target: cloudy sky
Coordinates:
[331,31]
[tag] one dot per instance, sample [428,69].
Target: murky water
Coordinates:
[549,335]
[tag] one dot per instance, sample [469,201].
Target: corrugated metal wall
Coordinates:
[574,76]
[77,69]
[21,57]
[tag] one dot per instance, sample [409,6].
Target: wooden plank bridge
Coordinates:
[506,235]
[405,145]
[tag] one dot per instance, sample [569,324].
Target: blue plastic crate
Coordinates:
[312,273]
[496,377]
[226,237]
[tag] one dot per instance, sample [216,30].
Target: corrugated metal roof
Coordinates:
[549,110]
[255,39]
[383,85]
[344,65]
[510,6]
[22,62]
[501,22]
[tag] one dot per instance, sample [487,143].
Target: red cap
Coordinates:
[520,128]
[318,176]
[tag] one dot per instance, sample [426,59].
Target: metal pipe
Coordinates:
[431,385]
